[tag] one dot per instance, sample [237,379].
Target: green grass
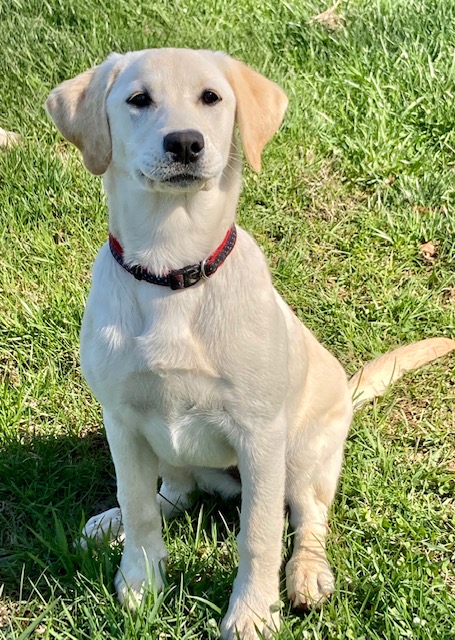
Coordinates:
[360,175]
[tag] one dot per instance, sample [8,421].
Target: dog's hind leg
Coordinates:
[177,487]
[224,482]
[313,469]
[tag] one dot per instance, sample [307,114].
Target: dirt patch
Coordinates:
[330,19]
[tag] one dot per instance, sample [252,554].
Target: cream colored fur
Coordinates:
[220,374]
[8,138]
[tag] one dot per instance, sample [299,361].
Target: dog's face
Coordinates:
[166,116]
[171,117]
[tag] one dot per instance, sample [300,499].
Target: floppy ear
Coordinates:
[78,108]
[261,105]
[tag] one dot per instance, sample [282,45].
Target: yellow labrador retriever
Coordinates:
[197,361]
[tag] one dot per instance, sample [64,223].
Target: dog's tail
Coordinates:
[373,379]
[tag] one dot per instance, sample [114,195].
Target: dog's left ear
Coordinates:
[261,105]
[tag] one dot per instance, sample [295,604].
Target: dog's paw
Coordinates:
[105,525]
[173,502]
[129,591]
[251,619]
[139,572]
[309,579]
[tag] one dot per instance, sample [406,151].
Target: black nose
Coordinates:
[185,146]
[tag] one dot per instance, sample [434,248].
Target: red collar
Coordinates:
[179,278]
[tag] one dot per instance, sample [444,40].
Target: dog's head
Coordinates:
[166,116]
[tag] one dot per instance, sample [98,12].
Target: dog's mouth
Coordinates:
[182,178]
[177,180]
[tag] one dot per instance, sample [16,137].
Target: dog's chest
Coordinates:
[182,416]
[153,372]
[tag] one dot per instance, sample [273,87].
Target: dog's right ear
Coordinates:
[78,108]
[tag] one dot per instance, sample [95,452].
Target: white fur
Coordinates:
[220,374]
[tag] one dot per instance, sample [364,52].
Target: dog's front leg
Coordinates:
[144,555]
[254,603]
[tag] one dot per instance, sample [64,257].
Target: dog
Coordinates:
[197,361]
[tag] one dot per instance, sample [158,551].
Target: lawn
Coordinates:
[359,178]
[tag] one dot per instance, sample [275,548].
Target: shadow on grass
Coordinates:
[49,485]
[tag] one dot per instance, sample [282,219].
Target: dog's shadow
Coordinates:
[47,486]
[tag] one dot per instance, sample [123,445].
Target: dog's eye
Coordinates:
[210,97]
[140,100]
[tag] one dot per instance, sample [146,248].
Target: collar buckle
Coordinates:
[186,277]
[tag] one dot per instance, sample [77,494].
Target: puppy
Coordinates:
[197,361]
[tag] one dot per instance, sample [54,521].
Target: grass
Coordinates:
[360,175]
